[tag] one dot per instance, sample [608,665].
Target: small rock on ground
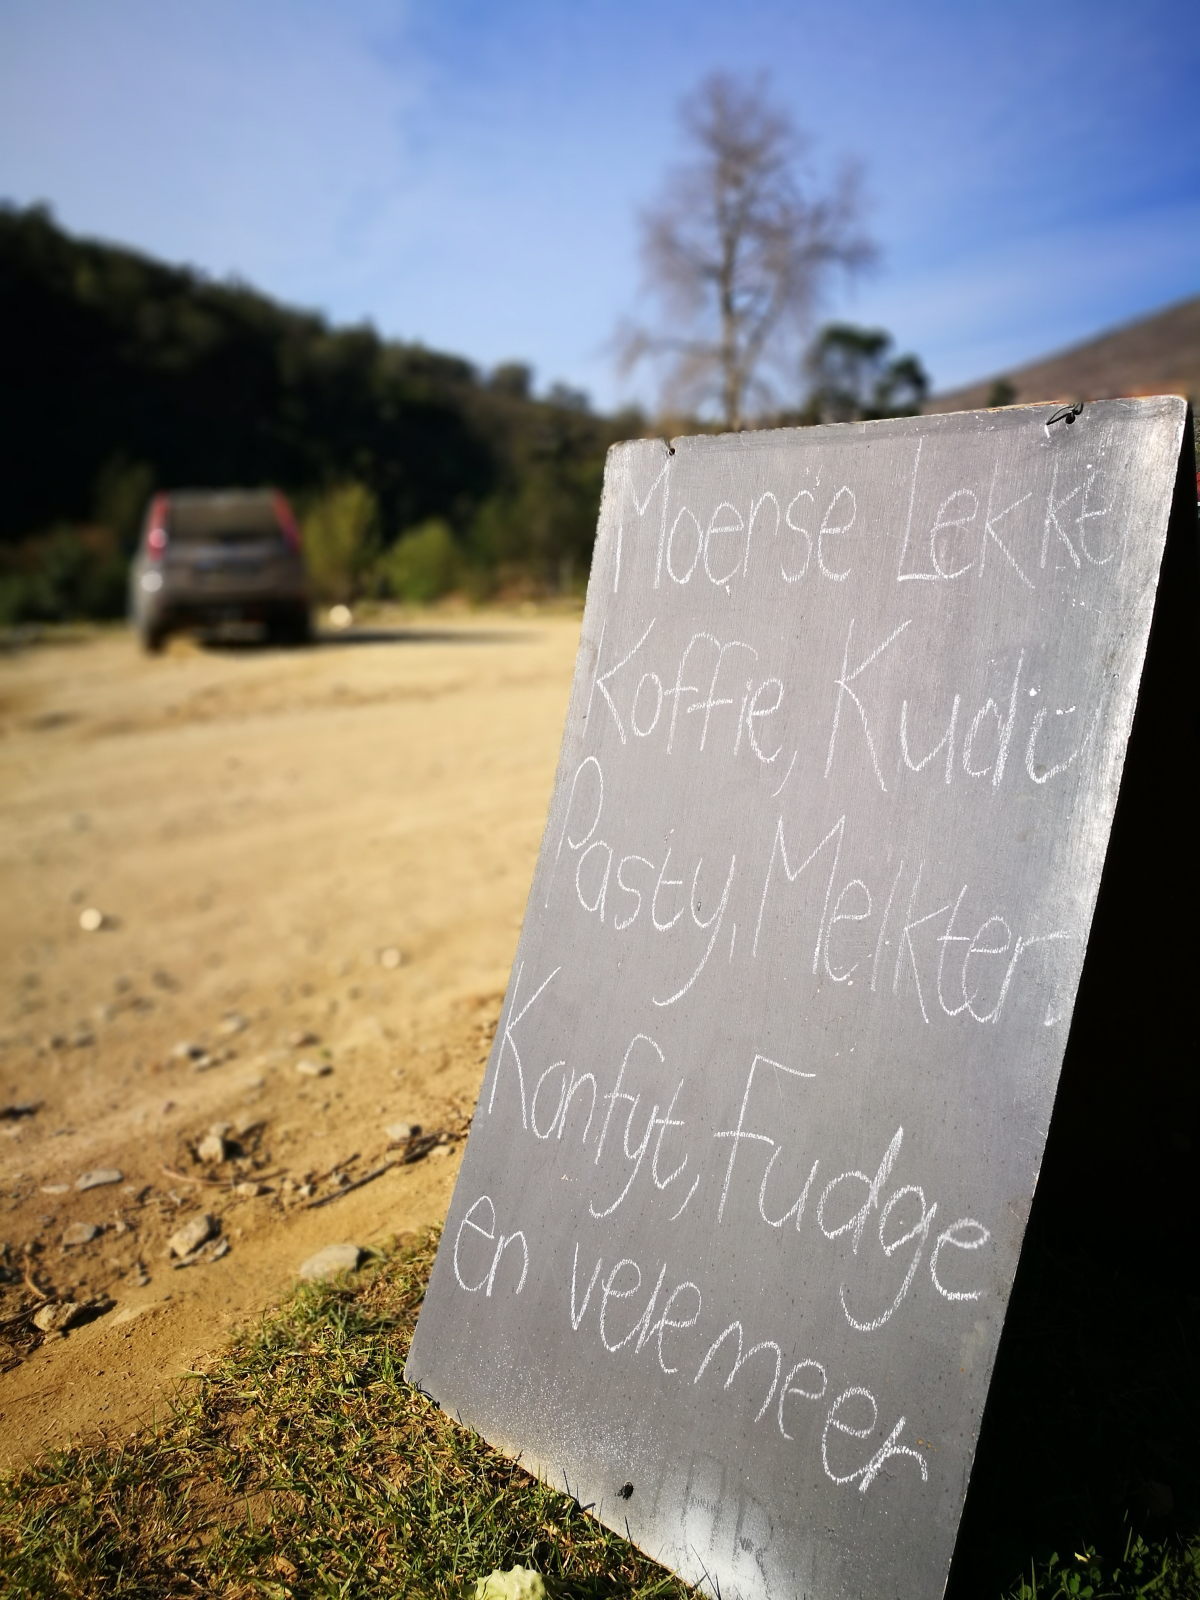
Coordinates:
[56,1317]
[98,1177]
[313,1069]
[398,1132]
[192,1235]
[327,1263]
[81,1233]
[212,1149]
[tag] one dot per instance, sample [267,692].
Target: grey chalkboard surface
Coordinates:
[742,1202]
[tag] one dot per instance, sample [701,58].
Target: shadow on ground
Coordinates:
[353,636]
[239,644]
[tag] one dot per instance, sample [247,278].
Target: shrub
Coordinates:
[424,564]
[341,537]
[65,573]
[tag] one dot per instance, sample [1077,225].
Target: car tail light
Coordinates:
[286,519]
[156,536]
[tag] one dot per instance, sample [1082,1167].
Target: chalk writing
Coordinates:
[743,1198]
[770,1380]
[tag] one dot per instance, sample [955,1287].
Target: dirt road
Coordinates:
[315,857]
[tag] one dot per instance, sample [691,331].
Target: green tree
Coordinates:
[513,378]
[853,376]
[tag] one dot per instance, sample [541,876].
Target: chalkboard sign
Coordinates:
[742,1203]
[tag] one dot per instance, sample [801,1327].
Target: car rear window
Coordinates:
[227,519]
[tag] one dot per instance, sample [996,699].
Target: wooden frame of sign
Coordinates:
[742,1204]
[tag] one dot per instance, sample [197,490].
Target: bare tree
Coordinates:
[738,252]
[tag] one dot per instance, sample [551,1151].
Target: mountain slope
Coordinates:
[1159,354]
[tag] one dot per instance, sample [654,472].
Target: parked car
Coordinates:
[210,557]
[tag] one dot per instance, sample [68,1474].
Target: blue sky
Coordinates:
[467,173]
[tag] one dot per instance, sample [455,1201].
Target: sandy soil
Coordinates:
[333,843]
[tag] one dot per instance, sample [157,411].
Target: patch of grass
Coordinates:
[1156,1571]
[304,1466]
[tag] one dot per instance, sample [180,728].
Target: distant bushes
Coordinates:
[67,572]
[349,560]
[80,568]
[341,541]
[423,564]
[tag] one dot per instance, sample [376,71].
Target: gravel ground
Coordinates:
[257,916]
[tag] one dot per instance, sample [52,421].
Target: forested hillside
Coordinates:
[123,375]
